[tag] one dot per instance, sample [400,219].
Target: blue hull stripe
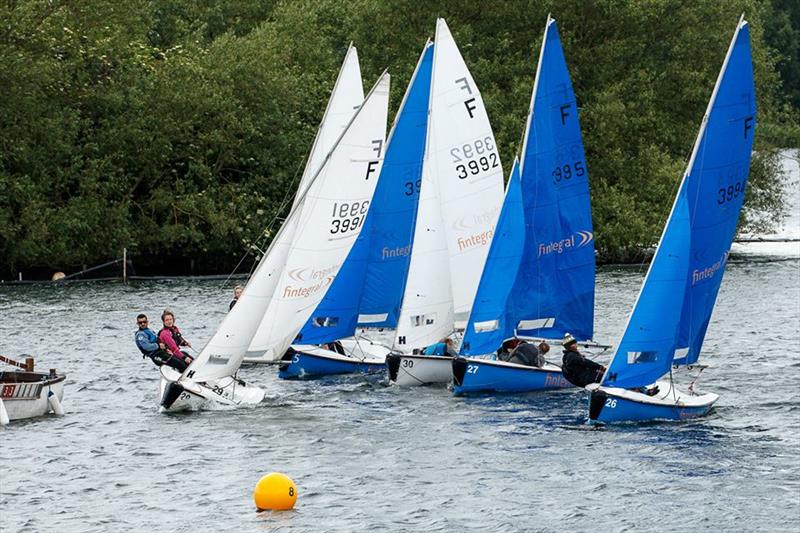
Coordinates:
[483,376]
[304,365]
[615,409]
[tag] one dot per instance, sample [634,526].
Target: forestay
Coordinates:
[672,311]
[460,198]
[487,324]
[554,290]
[376,267]
[332,214]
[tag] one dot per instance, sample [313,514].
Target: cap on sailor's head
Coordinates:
[568,339]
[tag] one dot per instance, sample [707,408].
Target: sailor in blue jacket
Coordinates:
[443,347]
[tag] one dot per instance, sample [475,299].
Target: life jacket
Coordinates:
[176,335]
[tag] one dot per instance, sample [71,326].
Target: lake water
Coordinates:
[368,456]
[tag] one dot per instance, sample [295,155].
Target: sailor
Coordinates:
[171,336]
[443,347]
[148,343]
[576,368]
[529,355]
[237,291]
[508,346]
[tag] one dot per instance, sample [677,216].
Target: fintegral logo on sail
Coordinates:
[319,280]
[579,239]
[480,226]
[699,275]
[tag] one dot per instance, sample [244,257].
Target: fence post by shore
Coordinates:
[125,265]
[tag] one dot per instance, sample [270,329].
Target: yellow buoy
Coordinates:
[57,276]
[275,492]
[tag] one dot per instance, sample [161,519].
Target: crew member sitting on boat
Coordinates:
[527,354]
[443,347]
[335,346]
[171,336]
[237,291]
[576,368]
[505,349]
[148,343]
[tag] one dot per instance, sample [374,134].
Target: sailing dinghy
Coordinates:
[460,198]
[539,278]
[672,311]
[301,262]
[369,288]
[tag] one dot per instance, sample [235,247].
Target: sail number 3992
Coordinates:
[475,157]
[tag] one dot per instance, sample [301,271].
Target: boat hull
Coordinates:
[308,365]
[610,405]
[484,375]
[188,395]
[415,370]
[362,356]
[26,394]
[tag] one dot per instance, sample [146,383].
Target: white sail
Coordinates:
[465,164]
[332,214]
[346,97]
[460,200]
[427,312]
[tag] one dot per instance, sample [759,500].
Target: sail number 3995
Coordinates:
[475,157]
[348,216]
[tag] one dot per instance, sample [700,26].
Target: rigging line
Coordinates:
[282,205]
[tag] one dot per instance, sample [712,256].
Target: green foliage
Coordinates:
[178,128]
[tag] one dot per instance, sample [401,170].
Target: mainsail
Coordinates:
[331,214]
[460,199]
[375,269]
[540,280]
[675,303]
[554,290]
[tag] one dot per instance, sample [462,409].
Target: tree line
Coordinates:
[178,128]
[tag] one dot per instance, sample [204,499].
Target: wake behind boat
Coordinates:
[671,315]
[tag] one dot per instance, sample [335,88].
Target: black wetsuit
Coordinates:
[527,354]
[580,371]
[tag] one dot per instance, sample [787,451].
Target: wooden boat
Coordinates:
[27,394]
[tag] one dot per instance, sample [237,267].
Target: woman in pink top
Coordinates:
[171,336]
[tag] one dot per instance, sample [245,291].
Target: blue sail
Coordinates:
[394,210]
[672,314]
[645,352]
[554,290]
[717,184]
[372,278]
[488,324]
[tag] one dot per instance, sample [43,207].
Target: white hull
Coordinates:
[22,400]
[223,392]
[414,370]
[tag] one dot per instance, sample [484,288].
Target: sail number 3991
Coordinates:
[348,216]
